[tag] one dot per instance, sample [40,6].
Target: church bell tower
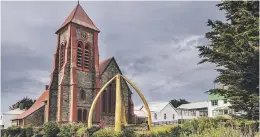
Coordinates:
[76,66]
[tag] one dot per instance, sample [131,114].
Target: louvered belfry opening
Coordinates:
[86,59]
[62,55]
[79,55]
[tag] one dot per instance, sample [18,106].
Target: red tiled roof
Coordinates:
[38,104]
[79,16]
[103,65]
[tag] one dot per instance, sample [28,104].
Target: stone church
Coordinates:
[77,77]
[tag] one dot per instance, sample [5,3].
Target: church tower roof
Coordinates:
[79,16]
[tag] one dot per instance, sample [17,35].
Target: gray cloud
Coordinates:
[153,43]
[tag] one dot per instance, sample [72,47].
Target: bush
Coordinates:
[50,129]
[22,133]
[13,131]
[29,131]
[68,130]
[107,133]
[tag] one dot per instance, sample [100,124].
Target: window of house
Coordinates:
[164,115]
[79,55]
[193,113]
[173,116]
[225,101]
[84,115]
[82,95]
[155,116]
[86,57]
[214,102]
[225,112]
[79,115]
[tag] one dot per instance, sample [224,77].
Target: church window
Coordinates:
[86,56]
[110,98]
[84,115]
[104,102]
[82,95]
[79,115]
[62,55]
[79,55]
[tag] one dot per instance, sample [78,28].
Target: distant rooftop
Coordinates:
[195,105]
[155,106]
[14,112]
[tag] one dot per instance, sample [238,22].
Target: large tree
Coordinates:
[177,103]
[234,49]
[25,103]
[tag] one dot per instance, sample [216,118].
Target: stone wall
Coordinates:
[110,72]
[36,118]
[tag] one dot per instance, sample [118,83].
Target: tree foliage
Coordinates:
[234,49]
[25,103]
[177,103]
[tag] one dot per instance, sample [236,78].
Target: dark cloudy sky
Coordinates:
[153,43]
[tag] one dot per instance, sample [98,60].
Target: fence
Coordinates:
[164,123]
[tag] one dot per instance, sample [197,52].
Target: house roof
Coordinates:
[38,104]
[195,105]
[17,111]
[79,16]
[140,113]
[154,106]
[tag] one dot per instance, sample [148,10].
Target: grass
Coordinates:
[157,129]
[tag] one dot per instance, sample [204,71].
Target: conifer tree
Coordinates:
[234,49]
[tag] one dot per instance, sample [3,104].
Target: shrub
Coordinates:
[12,131]
[50,129]
[68,130]
[29,131]
[107,133]
[22,133]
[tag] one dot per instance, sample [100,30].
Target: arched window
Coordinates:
[84,115]
[155,116]
[79,55]
[62,55]
[104,99]
[164,115]
[86,56]
[110,98]
[82,95]
[79,114]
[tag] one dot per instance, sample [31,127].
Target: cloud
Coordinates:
[153,43]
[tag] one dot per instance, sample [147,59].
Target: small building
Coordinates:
[6,117]
[193,110]
[162,113]
[140,116]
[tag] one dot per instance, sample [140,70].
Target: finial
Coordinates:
[78,2]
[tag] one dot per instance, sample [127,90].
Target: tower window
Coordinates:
[82,95]
[86,56]
[79,55]
[84,115]
[79,115]
[62,55]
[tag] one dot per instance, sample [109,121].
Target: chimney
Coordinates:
[46,87]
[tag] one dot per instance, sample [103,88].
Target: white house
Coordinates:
[162,112]
[140,116]
[193,110]
[6,117]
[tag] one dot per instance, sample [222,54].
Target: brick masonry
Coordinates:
[111,70]
[36,118]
